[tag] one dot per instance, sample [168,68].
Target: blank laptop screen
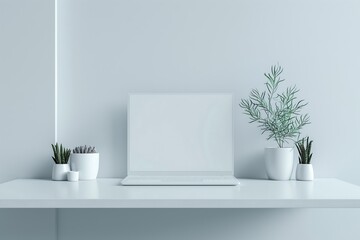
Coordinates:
[180,133]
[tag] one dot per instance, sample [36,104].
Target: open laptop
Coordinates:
[180,139]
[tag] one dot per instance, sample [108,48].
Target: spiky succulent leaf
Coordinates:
[304,150]
[84,149]
[61,154]
[58,154]
[53,148]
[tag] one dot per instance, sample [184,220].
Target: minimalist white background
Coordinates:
[109,48]
[26,108]
[26,88]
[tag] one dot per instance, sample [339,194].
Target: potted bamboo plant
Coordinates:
[61,159]
[278,115]
[304,169]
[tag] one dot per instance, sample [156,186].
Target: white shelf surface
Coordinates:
[109,193]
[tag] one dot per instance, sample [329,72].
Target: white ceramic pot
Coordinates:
[304,172]
[59,172]
[279,163]
[86,163]
[73,176]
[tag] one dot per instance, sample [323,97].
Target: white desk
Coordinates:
[108,193]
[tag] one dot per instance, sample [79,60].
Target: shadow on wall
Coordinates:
[119,140]
[35,165]
[253,167]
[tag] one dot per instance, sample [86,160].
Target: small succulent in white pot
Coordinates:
[85,159]
[304,170]
[278,115]
[61,159]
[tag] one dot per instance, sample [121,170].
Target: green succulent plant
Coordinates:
[304,150]
[61,154]
[277,114]
[84,149]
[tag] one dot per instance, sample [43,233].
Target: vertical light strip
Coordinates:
[56,71]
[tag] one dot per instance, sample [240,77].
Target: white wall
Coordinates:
[26,109]
[26,88]
[109,48]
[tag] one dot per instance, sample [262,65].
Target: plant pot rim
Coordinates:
[61,163]
[84,153]
[304,164]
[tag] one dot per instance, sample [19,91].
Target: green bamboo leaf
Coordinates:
[278,114]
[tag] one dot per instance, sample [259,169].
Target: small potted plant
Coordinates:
[304,169]
[278,115]
[61,159]
[85,159]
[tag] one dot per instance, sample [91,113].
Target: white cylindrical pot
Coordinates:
[279,163]
[73,176]
[86,163]
[304,172]
[59,172]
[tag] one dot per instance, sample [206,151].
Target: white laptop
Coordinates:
[180,139]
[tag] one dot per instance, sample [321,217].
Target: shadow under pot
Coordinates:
[87,164]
